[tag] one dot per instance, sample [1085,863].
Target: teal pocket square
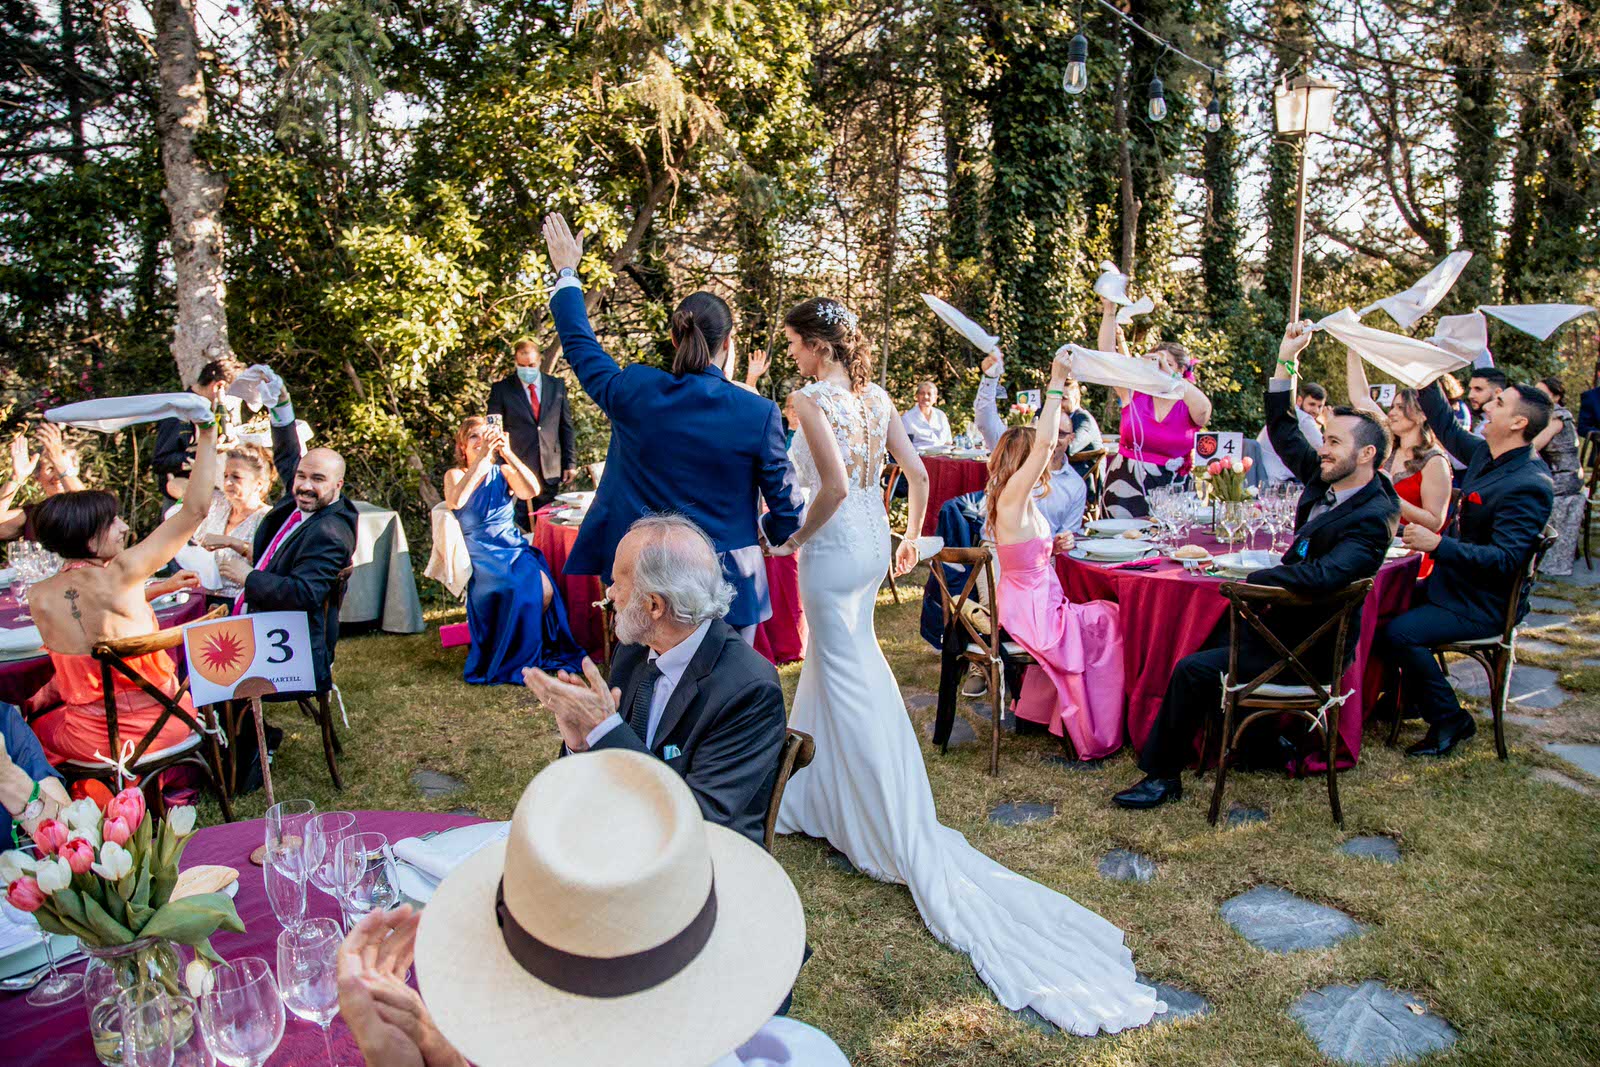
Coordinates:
[671,752]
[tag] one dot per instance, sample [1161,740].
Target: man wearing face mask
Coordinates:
[538,420]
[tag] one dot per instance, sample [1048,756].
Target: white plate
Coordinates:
[7,575]
[1112,527]
[31,956]
[1244,564]
[575,497]
[1397,551]
[1199,563]
[169,599]
[1115,550]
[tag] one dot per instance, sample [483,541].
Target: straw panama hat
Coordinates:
[662,939]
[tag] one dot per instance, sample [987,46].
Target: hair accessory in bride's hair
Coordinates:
[836,314]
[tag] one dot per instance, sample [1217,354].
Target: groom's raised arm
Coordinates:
[597,372]
[785,505]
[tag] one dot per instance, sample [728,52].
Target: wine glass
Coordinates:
[241,1013]
[308,973]
[284,867]
[56,987]
[364,875]
[323,834]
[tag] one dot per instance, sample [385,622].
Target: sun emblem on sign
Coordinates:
[223,651]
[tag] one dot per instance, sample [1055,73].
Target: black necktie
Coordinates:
[1331,499]
[639,714]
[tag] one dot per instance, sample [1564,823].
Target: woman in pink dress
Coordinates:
[1076,689]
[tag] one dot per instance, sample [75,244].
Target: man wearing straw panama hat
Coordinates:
[612,926]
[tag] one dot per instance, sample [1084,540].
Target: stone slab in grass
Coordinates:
[1536,647]
[1275,920]
[1539,620]
[1031,1018]
[1065,763]
[840,862]
[1531,687]
[465,811]
[1370,1024]
[960,734]
[435,784]
[1548,603]
[922,701]
[1239,814]
[1585,757]
[1553,777]
[1583,576]
[1125,865]
[1181,1004]
[1009,814]
[1373,846]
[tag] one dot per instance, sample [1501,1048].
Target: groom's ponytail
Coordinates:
[700,326]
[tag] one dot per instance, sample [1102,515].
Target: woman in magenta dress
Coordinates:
[1076,689]
[1156,436]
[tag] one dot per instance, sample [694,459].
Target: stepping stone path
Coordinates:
[1125,865]
[960,734]
[1538,620]
[1181,1004]
[1548,603]
[1539,648]
[464,811]
[1032,1018]
[1276,920]
[1373,846]
[1585,757]
[1063,763]
[840,862]
[1583,576]
[434,784]
[1237,815]
[1545,774]
[1531,687]
[921,701]
[1370,1024]
[1009,814]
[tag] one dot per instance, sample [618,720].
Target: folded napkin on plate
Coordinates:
[15,938]
[113,413]
[439,855]
[22,639]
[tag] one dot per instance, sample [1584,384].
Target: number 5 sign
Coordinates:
[270,651]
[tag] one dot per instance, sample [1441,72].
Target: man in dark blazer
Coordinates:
[174,450]
[684,687]
[538,419]
[1506,496]
[1344,524]
[303,542]
[1589,410]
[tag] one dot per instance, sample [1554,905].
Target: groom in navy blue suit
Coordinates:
[686,441]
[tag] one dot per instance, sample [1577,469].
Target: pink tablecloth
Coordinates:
[59,1035]
[1168,613]
[948,479]
[781,638]
[21,678]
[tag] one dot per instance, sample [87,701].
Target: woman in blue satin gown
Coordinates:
[514,611]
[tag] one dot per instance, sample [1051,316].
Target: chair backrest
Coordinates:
[798,750]
[891,475]
[1593,438]
[113,656]
[979,564]
[1094,508]
[1336,611]
[1529,573]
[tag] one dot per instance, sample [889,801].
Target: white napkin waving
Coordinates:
[983,340]
[448,562]
[1539,320]
[113,413]
[1408,360]
[257,385]
[1407,307]
[1114,369]
[1112,284]
[203,562]
[1142,306]
[1466,336]
[442,853]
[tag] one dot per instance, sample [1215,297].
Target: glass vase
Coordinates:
[115,968]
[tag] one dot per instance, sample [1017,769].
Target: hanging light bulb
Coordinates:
[1214,114]
[1158,100]
[1076,80]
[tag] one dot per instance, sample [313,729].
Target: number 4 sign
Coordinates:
[272,651]
[1210,446]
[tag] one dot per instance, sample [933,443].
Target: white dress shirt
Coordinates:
[1273,467]
[1064,505]
[671,663]
[926,432]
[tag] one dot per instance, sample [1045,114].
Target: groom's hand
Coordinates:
[578,704]
[565,250]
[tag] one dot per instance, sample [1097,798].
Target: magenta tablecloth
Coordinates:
[1168,613]
[948,479]
[59,1035]
[21,678]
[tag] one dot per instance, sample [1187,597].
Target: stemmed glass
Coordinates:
[159,1029]
[241,1013]
[323,834]
[364,876]
[284,867]
[56,987]
[1230,520]
[308,974]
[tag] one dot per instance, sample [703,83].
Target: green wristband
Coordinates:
[1053,392]
[1292,368]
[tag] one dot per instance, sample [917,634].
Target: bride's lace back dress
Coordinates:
[867,790]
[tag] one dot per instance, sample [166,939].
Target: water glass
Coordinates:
[308,974]
[241,1013]
[56,988]
[159,1028]
[284,867]
[364,874]
[323,835]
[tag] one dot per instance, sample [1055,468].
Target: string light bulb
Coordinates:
[1158,100]
[1214,109]
[1076,79]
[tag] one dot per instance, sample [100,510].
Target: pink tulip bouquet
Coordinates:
[107,878]
[1225,479]
[1021,415]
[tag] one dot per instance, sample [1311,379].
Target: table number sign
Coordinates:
[1383,394]
[1029,398]
[1212,445]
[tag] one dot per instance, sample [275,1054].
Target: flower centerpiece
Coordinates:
[1223,479]
[1021,414]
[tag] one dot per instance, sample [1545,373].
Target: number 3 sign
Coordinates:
[271,650]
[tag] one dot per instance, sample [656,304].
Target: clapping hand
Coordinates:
[387,1017]
[22,463]
[578,704]
[565,250]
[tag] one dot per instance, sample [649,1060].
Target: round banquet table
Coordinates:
[949,478]
[21,678]
[59,1035]
[1166,613]
[782,638]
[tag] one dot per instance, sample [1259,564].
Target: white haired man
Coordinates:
[684,687]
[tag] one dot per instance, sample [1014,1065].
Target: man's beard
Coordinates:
[1342,469]
[632,623]
[309,502]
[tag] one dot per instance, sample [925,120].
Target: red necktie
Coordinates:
[533,398]
[266,557]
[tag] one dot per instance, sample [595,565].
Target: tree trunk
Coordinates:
[1219,231]
[193,194]
[1290,22]
[1475,121]
[1130,202]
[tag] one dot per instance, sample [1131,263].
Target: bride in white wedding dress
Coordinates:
[867,790]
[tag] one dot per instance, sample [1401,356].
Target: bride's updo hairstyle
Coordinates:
[834,330]
[700,327]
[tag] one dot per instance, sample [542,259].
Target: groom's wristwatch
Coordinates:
[566,272]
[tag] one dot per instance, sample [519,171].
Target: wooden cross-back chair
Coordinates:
[199,749]
[1309,694]
[1496,654]
[798,750]
[891,478]
[1095,482]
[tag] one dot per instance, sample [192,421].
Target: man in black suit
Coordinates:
[684,686]
[1589,409]
[302,543]
[174,450]
[538,420]
[1506,496]
[1344,524]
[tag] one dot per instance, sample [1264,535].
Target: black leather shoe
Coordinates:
[1150,793]
[1444,736]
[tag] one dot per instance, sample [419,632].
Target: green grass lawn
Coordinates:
[1492,918]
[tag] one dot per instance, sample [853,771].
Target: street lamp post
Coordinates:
[1302,106]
